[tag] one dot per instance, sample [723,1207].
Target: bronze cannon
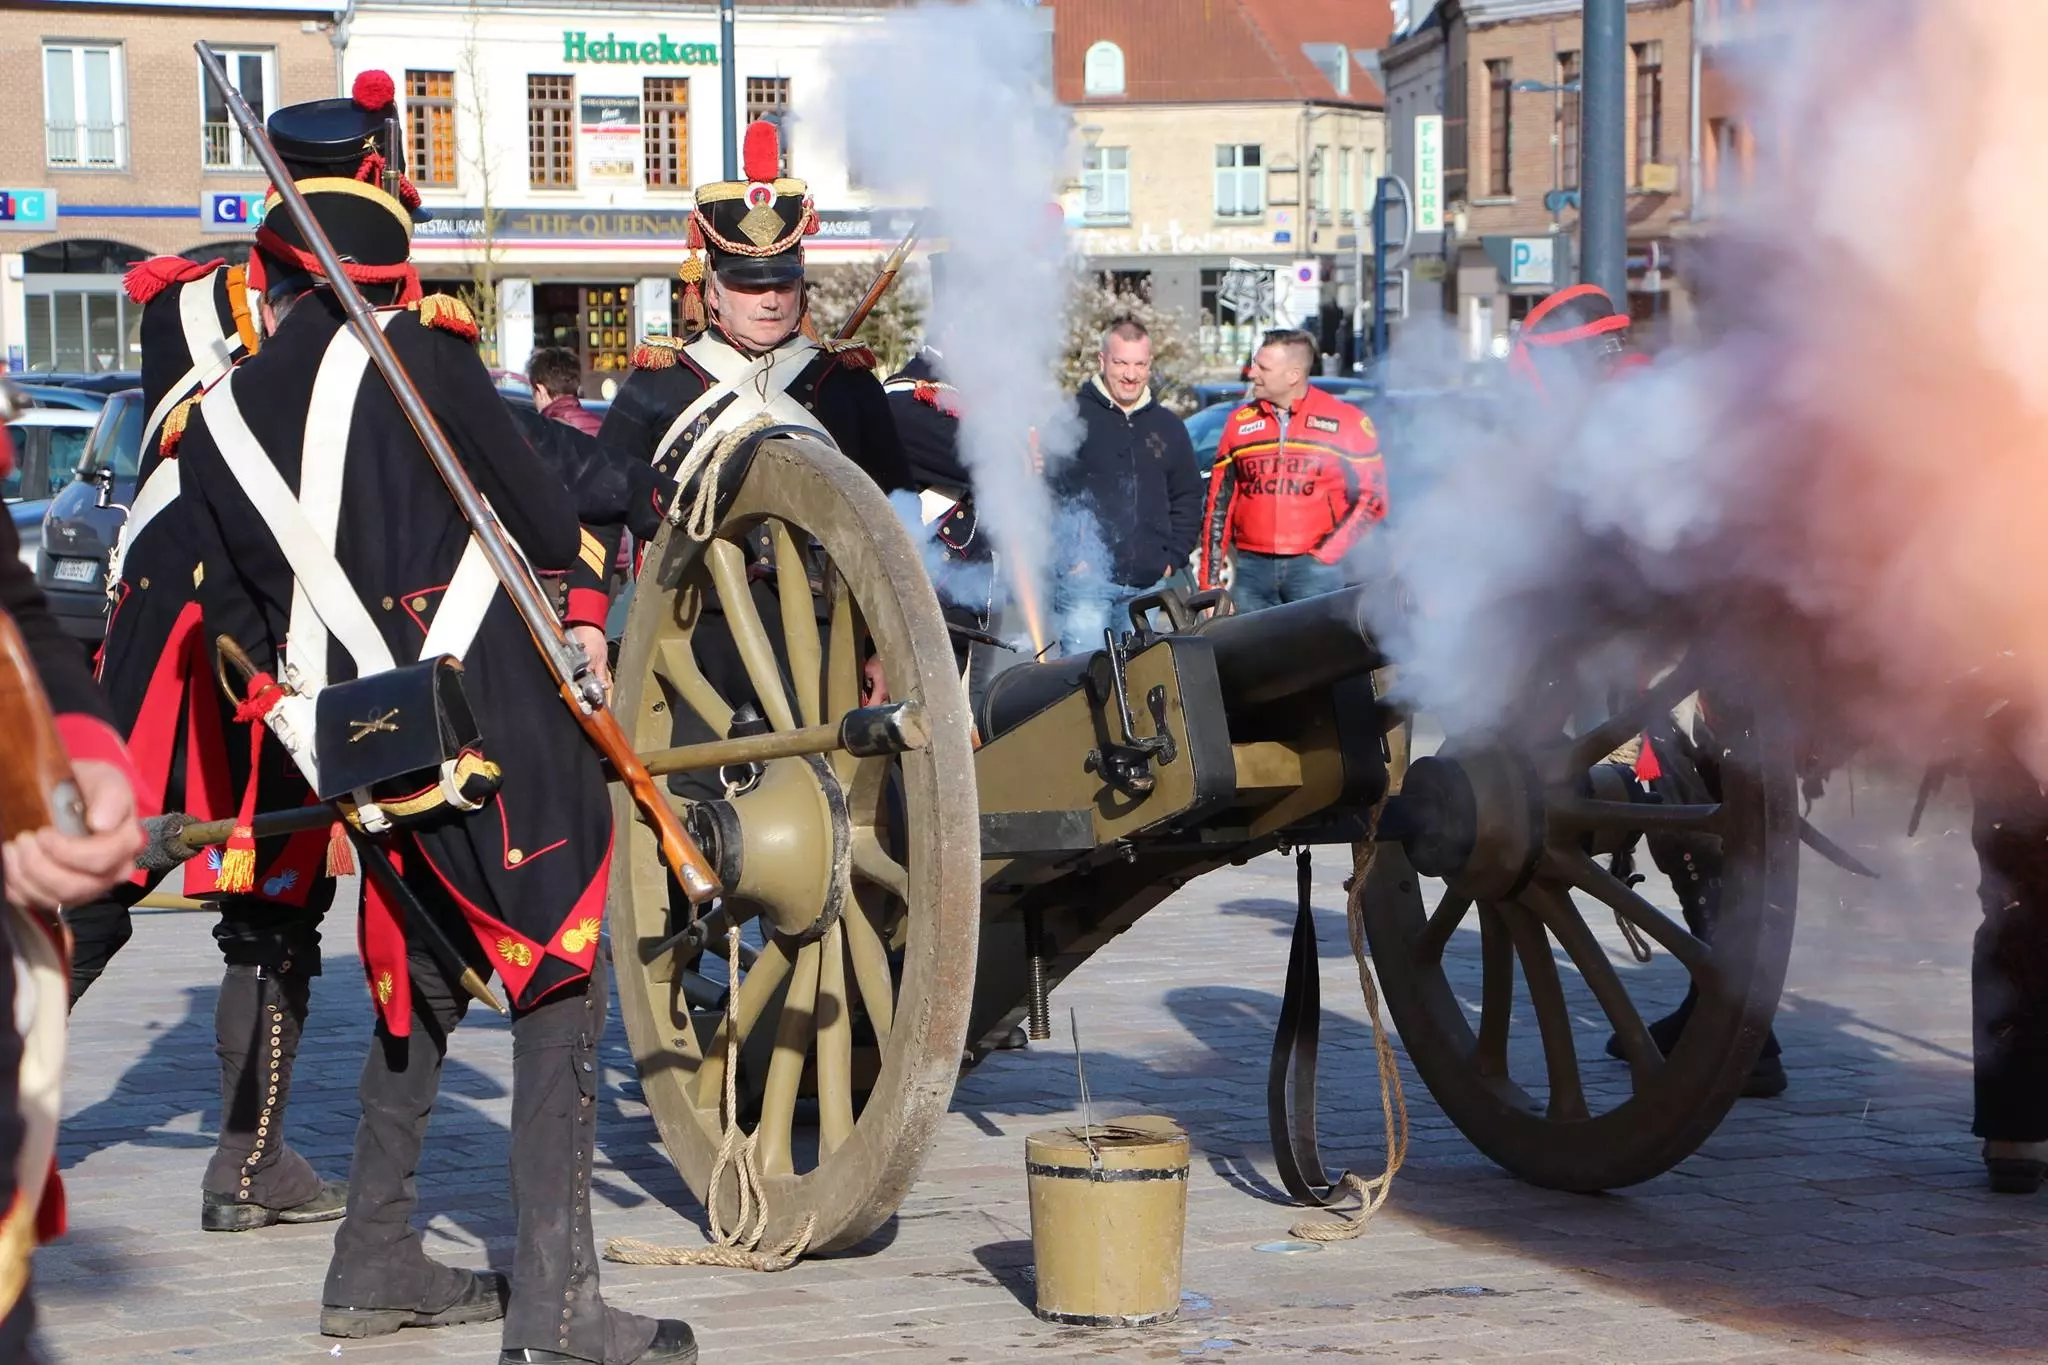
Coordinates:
[906,908]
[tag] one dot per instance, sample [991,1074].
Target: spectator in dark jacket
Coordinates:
[1134,477]
[556,376]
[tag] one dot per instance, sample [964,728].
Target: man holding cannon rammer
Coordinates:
[334,554]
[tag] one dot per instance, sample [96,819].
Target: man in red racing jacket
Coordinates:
[1297,483]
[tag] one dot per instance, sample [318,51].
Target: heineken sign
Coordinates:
[578,46]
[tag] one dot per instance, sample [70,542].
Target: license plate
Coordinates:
[74,570]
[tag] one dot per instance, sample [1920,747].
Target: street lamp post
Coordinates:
[730,89]
[1603,188]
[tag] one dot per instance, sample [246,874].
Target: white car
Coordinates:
[47,445]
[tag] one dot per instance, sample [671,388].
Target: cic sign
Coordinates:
[231,210]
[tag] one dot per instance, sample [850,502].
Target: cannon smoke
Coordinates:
[1860,444]
[946,106]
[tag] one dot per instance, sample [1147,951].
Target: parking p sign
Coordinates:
[27,209]
[1533,261]
[231,210]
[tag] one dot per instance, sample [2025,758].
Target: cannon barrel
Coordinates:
[1261,656]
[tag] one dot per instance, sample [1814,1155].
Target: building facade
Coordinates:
[557,144]
[1498,82]
[1229,150]
[112,149]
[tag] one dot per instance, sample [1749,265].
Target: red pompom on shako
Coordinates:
[761,159]
[374,90]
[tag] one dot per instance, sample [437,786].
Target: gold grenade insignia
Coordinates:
[383,988]
[581,937]
[515,952]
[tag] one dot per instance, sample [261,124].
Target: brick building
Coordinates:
[1503,76]
[110,150]
[557,147]
[1229,151]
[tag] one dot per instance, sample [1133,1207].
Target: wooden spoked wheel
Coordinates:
[1517,835]
[857,882]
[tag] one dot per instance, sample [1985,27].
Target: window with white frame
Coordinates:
[1102,70]
[1240,181]
[85,114]
[1346,205]
[253,70]
[1106,176]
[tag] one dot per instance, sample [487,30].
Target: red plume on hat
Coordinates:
[374,90]
[762,155]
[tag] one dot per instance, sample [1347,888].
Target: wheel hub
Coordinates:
[1481,821]
[784,845]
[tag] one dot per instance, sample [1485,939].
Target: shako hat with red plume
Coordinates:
[753,228]
[347,137]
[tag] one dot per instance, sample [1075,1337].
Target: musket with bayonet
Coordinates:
[565,658]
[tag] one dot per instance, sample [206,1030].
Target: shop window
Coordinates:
[665,105]
[1457,134]
[430,127]
[595,322]
[768,97]
[253,70]
[551,132]
[1500,129]
[1106,177]
[84,106]
[1240,181]
[1102,70]
[78,331]
[1649,106]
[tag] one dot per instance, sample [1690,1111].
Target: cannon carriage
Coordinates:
[908,897]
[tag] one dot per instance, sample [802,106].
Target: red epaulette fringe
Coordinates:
[146,279]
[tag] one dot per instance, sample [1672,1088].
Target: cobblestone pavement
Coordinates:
[1846,1219]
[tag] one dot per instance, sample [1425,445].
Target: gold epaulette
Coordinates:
[656,353]
[852,354]
[446,313]
[174,426]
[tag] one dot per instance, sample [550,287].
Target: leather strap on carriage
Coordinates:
[1293,1124]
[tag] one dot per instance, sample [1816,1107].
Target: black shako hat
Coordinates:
[753,229]
[347,137]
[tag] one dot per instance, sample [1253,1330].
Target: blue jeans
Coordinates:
[1268,580]
[1082,608]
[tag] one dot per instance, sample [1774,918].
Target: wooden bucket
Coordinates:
[1109,1210]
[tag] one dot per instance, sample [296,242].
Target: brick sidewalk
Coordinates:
[1845,1220]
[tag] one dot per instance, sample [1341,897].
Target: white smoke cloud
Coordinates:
[948,107]
[1842,485]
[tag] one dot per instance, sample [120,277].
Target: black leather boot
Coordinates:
[255,1179]
[381,1278]
[557,1313]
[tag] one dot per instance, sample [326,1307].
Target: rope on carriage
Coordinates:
[738,1247]
[1372,1194]
[700,519]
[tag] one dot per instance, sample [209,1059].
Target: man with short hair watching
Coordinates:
[1297,483]
[1135,475]
[557,377]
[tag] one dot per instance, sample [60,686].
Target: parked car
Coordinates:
[86,516]
[60,396]
[48,443]
[108,381]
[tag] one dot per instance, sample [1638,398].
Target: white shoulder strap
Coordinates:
[211,352]
[317,574]
[738,377]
